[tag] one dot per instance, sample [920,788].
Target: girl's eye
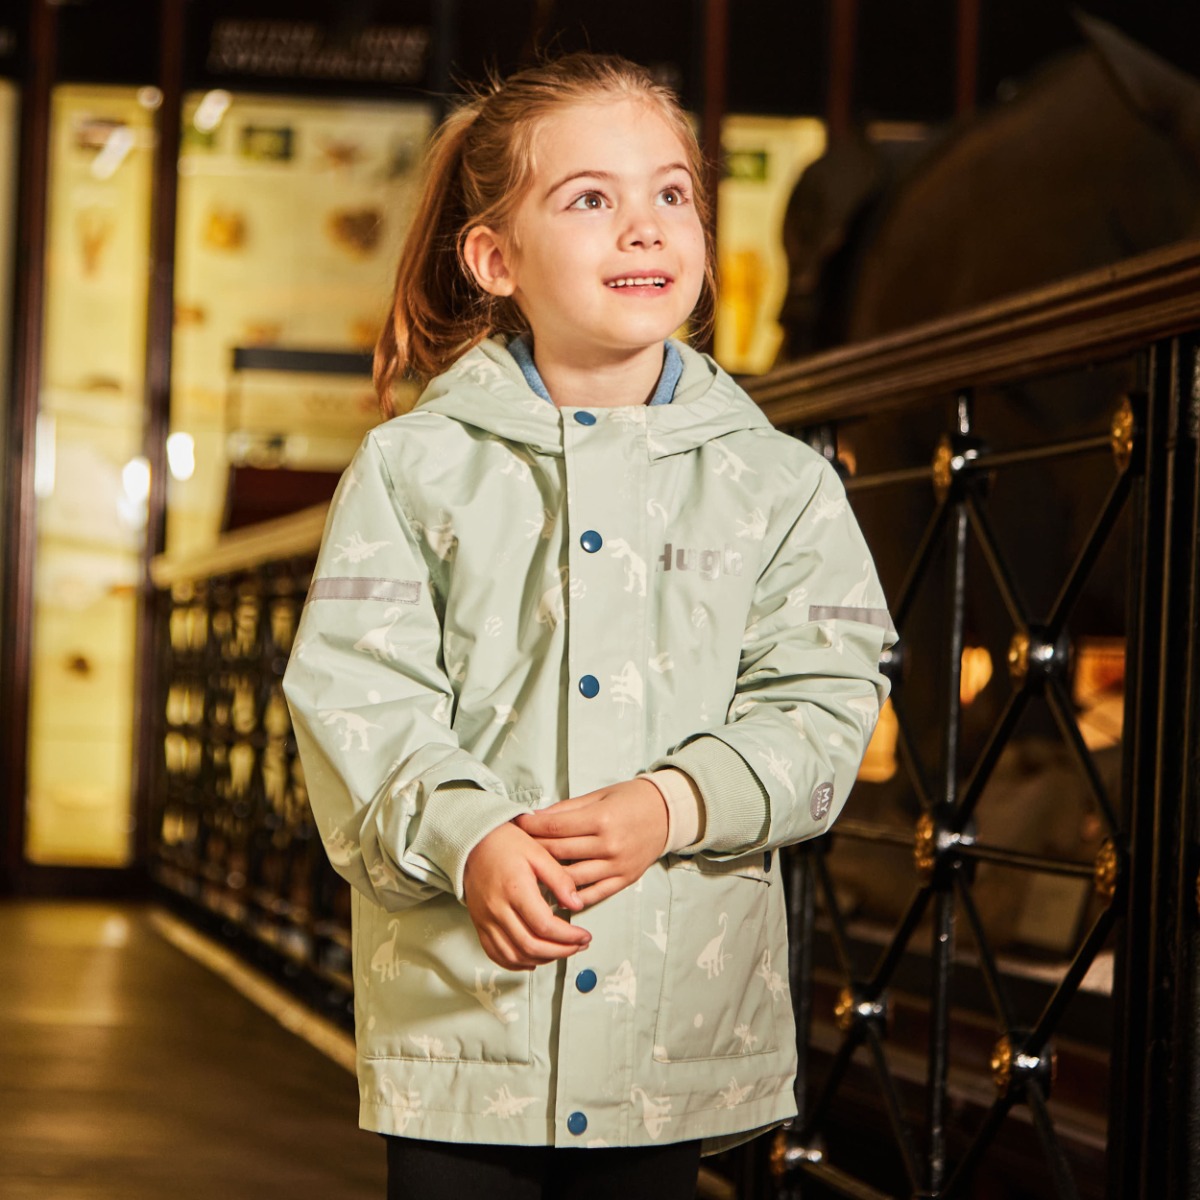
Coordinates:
[672,196]
[589,200]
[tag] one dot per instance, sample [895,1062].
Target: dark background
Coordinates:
[777,50]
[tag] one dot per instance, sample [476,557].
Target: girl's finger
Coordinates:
[554,875]
[558,821]
[570,849]
[538,936]
[499,949]
[589,871]
[601,891]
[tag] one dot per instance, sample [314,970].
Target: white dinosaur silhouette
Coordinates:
[485,373]
[754,526]
[375,641]
[621,985]
[543,528]
[713,957]
[797,596]
[488,995]
[660,664]
[627,687]
[774,981]
[382,874]
[856,597]
[659,936]
[729,463]
[455,655]
[865,708]
[355,550]
[405,1104]
[431,1047]
[505,1105]
[635,566]
[828,509]
[552,606]
[350,481]
[780,768]
[733,1095]
[351,724]
[747,1036]
[655,1111]
[655,508]
[441,538]
[699,616]
[339,848]
[517,465]
[629,414]
[385,962]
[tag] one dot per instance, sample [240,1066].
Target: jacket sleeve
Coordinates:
[809,687]
[398,804]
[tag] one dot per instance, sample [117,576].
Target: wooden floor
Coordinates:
[129,1071]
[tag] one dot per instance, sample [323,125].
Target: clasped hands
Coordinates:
[581,850]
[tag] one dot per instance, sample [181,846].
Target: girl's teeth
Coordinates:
[655,280]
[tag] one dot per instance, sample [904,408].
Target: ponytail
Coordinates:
[435,311]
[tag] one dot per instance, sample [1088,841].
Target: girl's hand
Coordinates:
[515,924]
[608,837]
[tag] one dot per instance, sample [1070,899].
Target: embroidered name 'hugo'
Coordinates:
[709,563]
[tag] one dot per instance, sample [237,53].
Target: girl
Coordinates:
[587,640]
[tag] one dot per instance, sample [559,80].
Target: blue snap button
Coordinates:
[585,418]
[589,685]
[591,541]
[585,980]
[577,1123]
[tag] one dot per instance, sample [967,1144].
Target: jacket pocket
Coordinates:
[719,995]
[424,989]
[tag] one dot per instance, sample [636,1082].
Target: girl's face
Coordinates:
[605,254]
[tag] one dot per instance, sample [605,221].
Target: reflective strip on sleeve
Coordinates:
[868,616]
[393,591]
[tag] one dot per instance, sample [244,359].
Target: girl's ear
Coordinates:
[486,256]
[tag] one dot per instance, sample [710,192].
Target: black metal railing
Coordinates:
[993,955]
[1085,1090]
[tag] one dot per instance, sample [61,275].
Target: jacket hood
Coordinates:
[485,389]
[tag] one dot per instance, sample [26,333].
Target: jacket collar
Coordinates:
[486,389]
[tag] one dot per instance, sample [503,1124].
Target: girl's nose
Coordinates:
[642,230]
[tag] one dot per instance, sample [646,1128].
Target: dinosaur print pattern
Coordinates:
[434,688]
[355,550]
[713,957]
[488,995]
[353,726]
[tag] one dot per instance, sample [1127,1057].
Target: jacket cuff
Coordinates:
[454,820]
[737,810]
[685,809]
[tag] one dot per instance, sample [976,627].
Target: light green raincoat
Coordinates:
[464,656]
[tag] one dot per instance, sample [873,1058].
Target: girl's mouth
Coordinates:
[639,281]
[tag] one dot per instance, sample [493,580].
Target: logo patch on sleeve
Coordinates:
[822,798]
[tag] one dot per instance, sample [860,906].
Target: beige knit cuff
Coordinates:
[685,808]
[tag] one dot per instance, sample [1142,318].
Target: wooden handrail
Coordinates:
[1087,318]
[268,541]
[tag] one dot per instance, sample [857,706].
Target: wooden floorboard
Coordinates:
[129,1071]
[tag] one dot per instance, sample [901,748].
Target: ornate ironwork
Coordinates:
[1107,871]
[1014,1068]
[1122,432]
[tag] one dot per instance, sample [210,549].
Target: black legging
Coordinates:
[420,1170]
